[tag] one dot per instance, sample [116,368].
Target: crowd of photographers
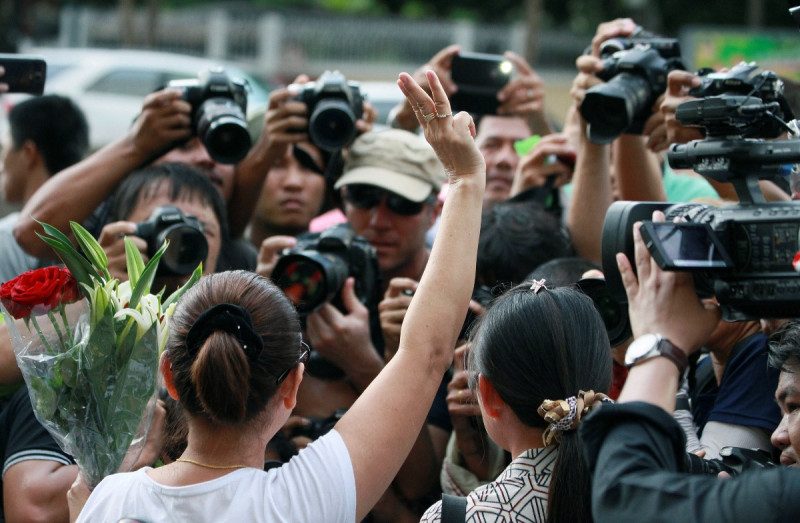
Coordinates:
[341,211]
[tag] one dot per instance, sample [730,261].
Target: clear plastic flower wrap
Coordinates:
[91,365]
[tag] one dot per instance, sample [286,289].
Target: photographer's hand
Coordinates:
[542,161]
[662,302]
[678,85]
[524,96]
[112,240]
[164,121]
[655,129]
[285,122]
[464,415]
[586,78]
[364,124]
[344,339]
[612,29]
[392,311]
[270,252]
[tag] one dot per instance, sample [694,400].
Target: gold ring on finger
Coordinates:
[429,117]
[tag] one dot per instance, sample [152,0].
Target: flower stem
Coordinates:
[41,335]
[63,312]
[58,330]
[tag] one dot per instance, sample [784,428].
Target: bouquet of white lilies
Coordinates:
[92,369]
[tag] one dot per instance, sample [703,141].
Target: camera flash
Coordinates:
[505,67]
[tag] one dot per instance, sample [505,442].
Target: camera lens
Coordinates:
[311,278]
[332,125]
[611,108]
[187,249]
[223,130]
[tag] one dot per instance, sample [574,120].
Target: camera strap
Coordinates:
[454,509]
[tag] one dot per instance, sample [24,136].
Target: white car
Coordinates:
[110,84]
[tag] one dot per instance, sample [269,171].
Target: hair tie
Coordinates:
[564,415]
[230,318]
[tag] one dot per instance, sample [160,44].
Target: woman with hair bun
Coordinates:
[234,360]
[538,362]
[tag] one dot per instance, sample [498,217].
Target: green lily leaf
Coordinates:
[91,248]
[173,298]
[134,261]
[81,269]
[146,278]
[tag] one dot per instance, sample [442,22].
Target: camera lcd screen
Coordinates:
[684,246]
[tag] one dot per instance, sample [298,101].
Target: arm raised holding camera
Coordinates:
[74,193]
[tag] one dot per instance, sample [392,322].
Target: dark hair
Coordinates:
[184,181]
[562,271]
[784,349]
[219,382]
[548,345]
[56,125]
[515,238]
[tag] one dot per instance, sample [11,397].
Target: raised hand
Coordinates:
[452,137]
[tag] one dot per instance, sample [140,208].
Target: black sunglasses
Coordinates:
[302,359]
[367,197]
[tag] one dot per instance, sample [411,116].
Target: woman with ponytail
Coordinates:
[538,362]
[234,361]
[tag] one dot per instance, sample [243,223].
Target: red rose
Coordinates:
[70,292]
[38,291]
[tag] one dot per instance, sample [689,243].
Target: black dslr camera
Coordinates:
[314,271]
[734,461]
[219,105]
[742,254]
[334,105]
[635,71]
[187,243]
[730,103]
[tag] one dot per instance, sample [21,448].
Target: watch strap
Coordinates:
[667,349]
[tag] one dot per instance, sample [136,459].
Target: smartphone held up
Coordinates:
[23,73]
[479,77]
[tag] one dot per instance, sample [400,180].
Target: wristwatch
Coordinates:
[652,346]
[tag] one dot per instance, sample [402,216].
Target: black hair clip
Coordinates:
[230,318]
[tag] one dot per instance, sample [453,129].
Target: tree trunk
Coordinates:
[755,13]
[126,25]
[533,17]
[152,23]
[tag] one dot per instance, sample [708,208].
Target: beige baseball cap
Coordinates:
[395,160]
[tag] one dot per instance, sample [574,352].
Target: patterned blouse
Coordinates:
[518,494]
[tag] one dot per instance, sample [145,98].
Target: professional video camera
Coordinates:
[187,242]
[742,254]
[314,271]
[734,461]
[635,70]
[219,105]
[334,105]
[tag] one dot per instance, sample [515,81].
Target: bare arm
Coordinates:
[36,490]
[637,170]
[75,192]
[385,421]
[9,370]
[591,181]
